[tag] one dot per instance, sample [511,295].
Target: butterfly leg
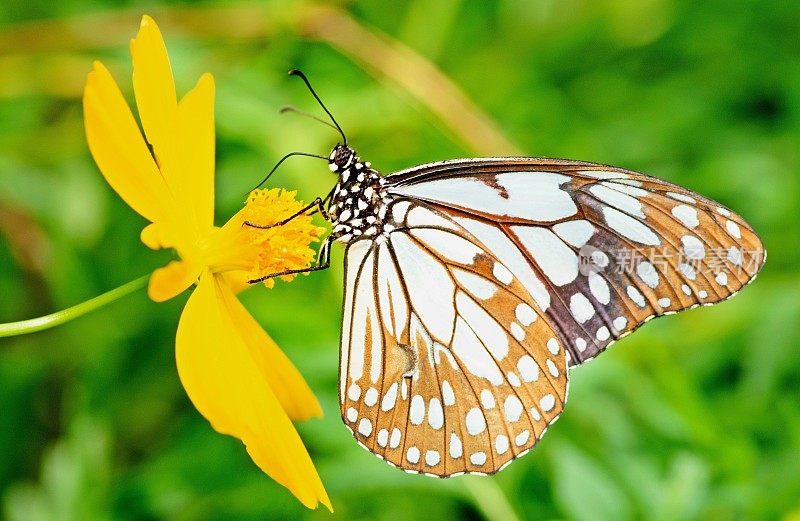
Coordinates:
[323,262]
[317,205]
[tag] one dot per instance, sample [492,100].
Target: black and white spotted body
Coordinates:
[358,202]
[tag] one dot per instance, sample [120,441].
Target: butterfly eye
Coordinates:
[342,157]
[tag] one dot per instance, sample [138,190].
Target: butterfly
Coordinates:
[472,286]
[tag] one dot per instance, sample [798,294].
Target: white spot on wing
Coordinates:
[430,288]
[575,232]
[417,411]
[399,210]
[456,449]
[688,270]
[412,455]
[419,216]
[501,444]
[733,229]
[686,215]
[629,227]
[474,356]
[383,437]
[558,262]
[355,254]
[513,408]
[547,402]
[522,438]
[581,308]
[432,458]
[535,196]
[478,458]
[528,369]
[599,288]
[647,272]
[525,314]
[450,246]
[491,334]
[448,397]
[517,331]
[435,414]
[735,255]
[502,274]
[508,253]
[392,300]
[371,397]
[693,247]
[364,315]
[365,427]
[636,296]
[475,421]
[624,202]
[681,197]
[389,398]
[603,174]
[487,399]
[394,440]
[354,392]
[475,284]
[603,334]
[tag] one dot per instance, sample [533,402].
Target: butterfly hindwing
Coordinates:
[448,363]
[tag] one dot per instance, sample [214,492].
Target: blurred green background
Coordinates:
[696,416]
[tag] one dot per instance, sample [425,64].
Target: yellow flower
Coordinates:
[235,375]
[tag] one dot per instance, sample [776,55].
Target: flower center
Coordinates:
[264,252]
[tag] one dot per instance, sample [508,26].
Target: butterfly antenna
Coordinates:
[295,110]
[284,158]
[295,72]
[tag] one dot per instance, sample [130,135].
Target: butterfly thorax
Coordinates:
[357,205]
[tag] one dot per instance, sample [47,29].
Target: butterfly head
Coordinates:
[341,158]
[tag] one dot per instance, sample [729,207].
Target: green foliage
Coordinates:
[694,416]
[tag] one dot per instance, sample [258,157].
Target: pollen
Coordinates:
[282,247]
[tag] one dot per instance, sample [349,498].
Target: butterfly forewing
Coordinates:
[449,365]
[610,248]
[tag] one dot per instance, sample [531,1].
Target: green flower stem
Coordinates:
[488,497]
[59,317]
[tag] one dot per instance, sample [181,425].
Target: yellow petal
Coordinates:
[171,280]
[222,380]
[237,280]
[154,88]
[118,147]
[195,177]
[154,236]
[284,379]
